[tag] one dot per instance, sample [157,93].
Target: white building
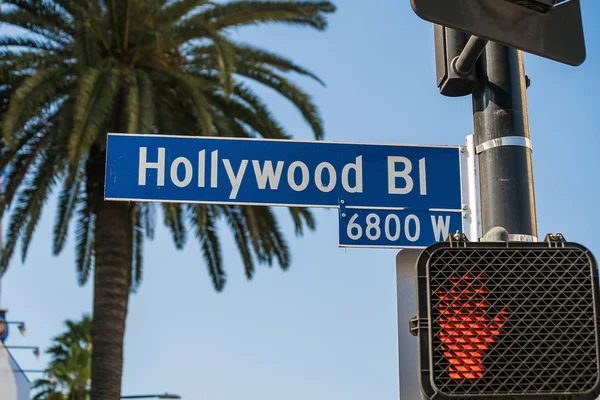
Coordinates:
[14,385]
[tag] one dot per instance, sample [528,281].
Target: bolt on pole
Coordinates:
[501,125]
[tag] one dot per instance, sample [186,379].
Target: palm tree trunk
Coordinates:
[111,283]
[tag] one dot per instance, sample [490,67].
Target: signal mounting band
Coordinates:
[504,141]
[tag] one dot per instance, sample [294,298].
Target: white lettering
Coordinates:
[415,237]
[201,167]
[441,227]
[357,167]
[388,222]
[373,230]
[267,174]
[235,179]
[214,168]
[188,172]
[393,174]
[291,180]
[319,177]
[353,226]
[422,177]
[144,165]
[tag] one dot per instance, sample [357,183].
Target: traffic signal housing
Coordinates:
[548,28]
[508,320]
[448,45]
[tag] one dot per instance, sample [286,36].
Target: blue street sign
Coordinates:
[396,228]
[281,172]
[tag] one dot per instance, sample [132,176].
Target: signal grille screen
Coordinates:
[512,321]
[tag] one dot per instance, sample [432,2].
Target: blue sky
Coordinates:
[327,328]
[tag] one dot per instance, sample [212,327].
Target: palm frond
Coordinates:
[94,103]
[35,93]
[193,88]
[227,126]
[174,11]
[266,237]
[237,13]
[225,60]
[273,128]
[138,248]
[39,25]
[72,8]
[42,185]
[302,216]
[84,241]
[86,49]
[126,9]
[129,247]
[146,110]
[27,210]
[131,110]
[211,249]
[237,224]
[173,219]
[14,64]
[249,55]
[148,218]
[31,43]
[26,138]
[165,121]
[291,91]
[235,111]
[275,242]
[20,165]
[45,13]
[67,203]
[254,231]
[115,19]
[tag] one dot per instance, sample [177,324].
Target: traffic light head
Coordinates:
[548,28]
[508,320]
[448,45]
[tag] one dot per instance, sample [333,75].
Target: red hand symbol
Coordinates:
[467,330]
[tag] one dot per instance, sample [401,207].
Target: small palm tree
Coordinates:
[69,372]
[88,67]
[46,389]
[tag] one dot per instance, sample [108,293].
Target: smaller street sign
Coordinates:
[396,228]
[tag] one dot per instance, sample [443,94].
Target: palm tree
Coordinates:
[69,371]
[148,66]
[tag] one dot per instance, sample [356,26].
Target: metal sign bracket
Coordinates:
[470,190]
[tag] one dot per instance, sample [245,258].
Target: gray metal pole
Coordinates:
[502,132]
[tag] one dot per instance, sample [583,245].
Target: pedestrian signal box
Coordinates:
[508,320]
